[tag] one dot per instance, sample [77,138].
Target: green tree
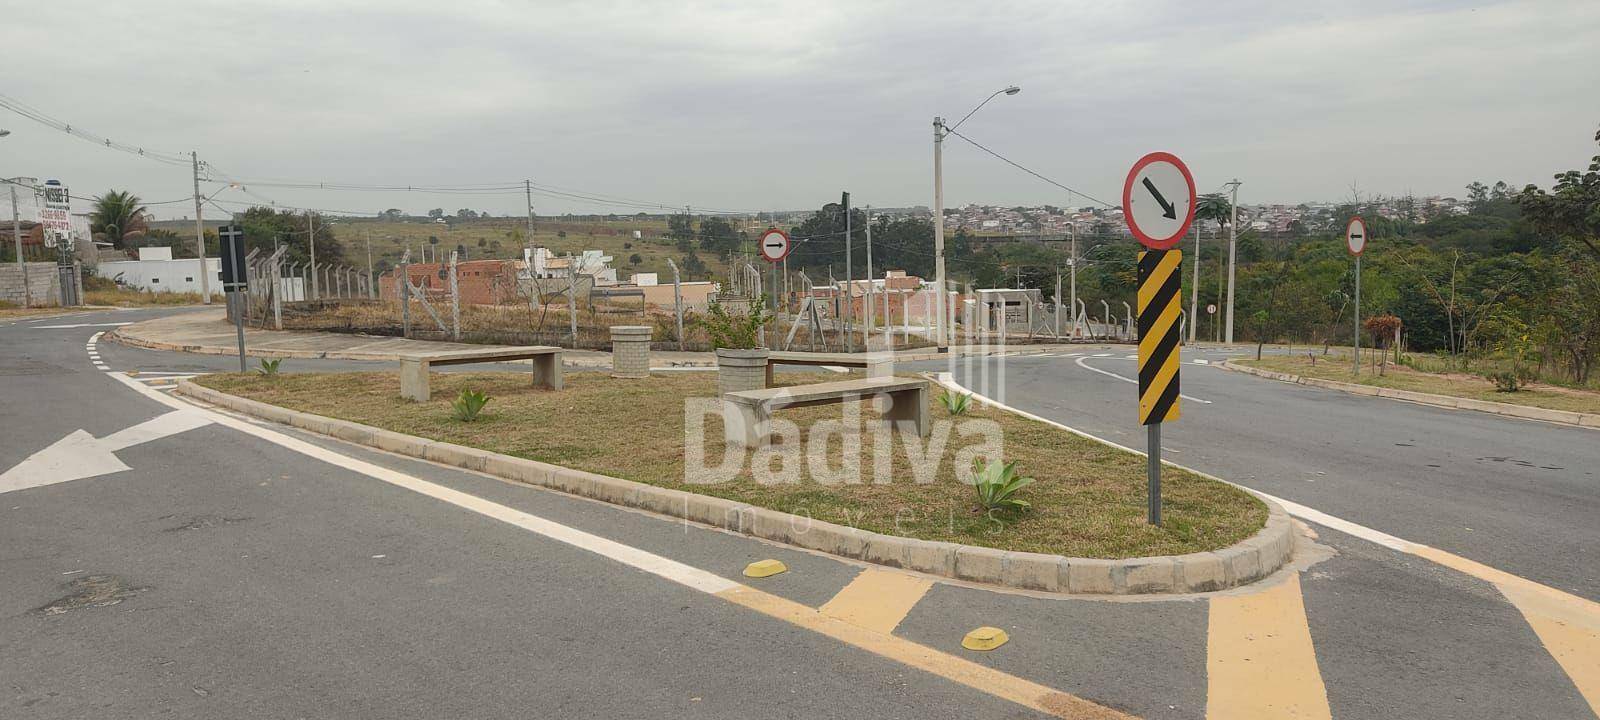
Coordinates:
[117,214]
[1571,209]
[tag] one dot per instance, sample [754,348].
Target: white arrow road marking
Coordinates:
[79,455]
[79,325]
[1080,362]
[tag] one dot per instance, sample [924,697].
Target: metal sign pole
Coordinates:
[1355,358]
[1153,471]
[238,323]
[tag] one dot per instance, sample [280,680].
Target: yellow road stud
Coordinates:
[764,568]
[985,638]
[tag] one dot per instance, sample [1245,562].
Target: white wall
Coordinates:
[164,275]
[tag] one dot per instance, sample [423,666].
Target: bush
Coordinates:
[735,332]
[269,367]
[1509,381]
[469,404]
[997,482]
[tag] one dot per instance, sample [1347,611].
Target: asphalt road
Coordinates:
[223,575]
[1518,495]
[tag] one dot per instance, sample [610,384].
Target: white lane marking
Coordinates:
[79,325]
[1201,361]
[1080,362]
[655,564]
[834,368]
[185,374]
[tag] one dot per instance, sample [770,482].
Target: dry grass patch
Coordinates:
[1089,500]
[1400,377]
[124,297]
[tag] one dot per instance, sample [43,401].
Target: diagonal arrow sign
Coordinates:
[1167,208]
[80,455]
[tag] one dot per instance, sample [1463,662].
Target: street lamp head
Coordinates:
[1012,90]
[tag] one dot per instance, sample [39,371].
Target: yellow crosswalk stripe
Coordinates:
[877,599]
[1260,662]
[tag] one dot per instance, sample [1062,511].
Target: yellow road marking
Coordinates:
[978,677]
[877,599]
[1259,659]
[1568,625]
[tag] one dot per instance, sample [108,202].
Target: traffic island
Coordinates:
[624,441]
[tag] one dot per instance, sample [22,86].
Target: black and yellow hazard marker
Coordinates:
[1159,303]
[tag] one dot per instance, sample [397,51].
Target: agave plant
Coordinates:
[269,367]
[955,403]
[469,404]
[997,482]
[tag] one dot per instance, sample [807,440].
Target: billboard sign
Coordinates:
[55,213]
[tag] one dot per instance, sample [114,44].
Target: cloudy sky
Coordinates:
[754,105]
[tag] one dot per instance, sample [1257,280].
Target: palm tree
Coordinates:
[117,213]
[1213,206]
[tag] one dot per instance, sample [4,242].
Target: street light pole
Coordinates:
[940,130]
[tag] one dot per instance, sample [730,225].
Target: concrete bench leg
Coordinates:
[414,380]
[769,374]
[547,371]
[880,369]
[743,425]
[909,406]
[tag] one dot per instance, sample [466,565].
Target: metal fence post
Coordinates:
[455,300]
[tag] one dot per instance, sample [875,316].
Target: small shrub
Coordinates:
[269,367]
[997,482]
[469,404]
[955,403]
[735,332]
[1509,381]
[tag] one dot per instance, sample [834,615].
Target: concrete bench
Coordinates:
[875,365]
[747,415]
[414,366]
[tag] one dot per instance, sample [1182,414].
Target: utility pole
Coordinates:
[1072,266]
[527,186]
[938,231]
[572,298]
[1194,288]
[311,225]
[16,236]
[1233,252]
[200,231]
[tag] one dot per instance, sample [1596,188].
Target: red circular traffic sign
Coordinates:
[1355,235]
[775,245]
[1158,200]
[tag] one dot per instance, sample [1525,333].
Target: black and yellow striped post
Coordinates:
[1159,301]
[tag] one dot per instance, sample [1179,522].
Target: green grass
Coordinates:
[1089,500]
[1337,367]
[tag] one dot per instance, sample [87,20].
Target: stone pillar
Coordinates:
[630,351]
[741,370]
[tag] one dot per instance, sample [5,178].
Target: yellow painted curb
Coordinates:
[764,568]
[985,638]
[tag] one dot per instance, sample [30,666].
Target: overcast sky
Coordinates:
[752,106]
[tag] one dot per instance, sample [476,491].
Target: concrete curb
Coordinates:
[1255,558]
[1522,412]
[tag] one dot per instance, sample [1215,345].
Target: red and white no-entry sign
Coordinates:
[1158,200]
[775,245]
[1355,235]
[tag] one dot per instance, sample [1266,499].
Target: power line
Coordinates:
[39,116]
[1019,166]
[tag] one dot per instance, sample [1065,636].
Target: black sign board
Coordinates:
[233,252]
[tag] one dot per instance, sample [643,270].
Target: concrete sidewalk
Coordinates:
[207,332]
